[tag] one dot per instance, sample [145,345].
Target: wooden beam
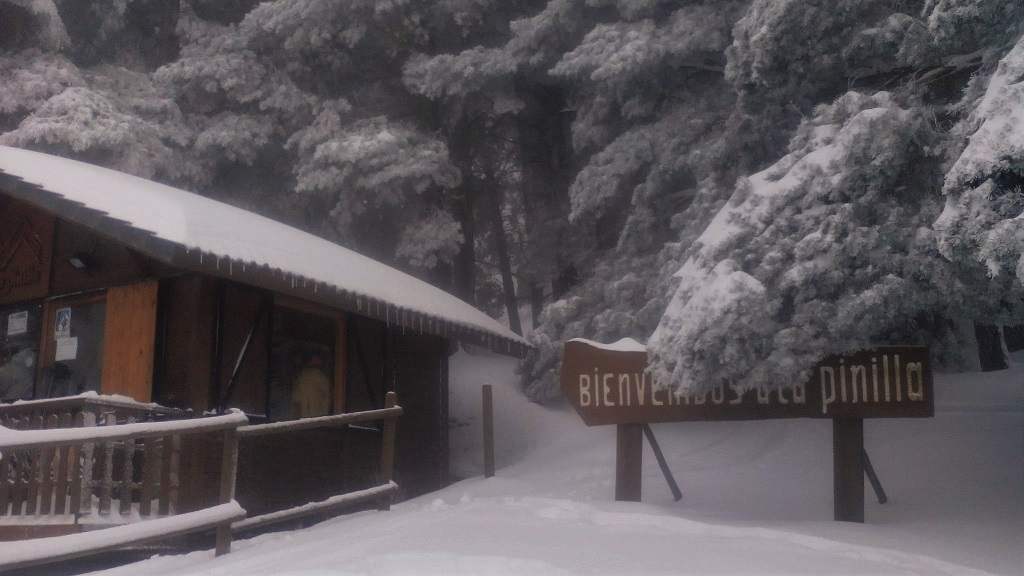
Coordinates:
[848,469]
[628,462]
[488,422]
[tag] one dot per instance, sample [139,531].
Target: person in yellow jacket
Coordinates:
[311,395]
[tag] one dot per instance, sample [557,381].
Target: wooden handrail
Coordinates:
[37,439]
[332,504]
[27,407]
[335,421]
[382,494]
[47,550]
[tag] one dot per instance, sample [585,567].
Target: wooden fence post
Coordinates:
[629,453]
[488,423]
[387,451]
[228,471]
[848,469]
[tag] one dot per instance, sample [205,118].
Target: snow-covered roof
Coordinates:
[197,233]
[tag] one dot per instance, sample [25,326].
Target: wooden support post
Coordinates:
[387,452]
[228,471]
[488,421]
[677,494]
[869,470]
[629,452]
[848,469]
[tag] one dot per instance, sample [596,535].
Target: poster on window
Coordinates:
[62,328]
[67,349]
[17,323]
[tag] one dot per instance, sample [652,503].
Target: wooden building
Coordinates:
[119,285]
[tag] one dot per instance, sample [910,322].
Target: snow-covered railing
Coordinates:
[380,494]
[71,470]
[28,414]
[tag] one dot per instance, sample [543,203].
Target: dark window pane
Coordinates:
[20,329]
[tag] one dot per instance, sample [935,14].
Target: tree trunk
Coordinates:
[545,141]
[536,301]
[464,268]
[504,260]
[460,148]
[990,348]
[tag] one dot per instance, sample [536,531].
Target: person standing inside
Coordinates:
[311,395]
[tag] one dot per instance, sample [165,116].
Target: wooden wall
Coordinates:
[112,264]
[26,241]
[184,355]
[419,366]
[415,366]
[128,339]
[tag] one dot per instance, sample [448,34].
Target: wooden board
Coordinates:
[129,337]
[185,353]
[614,387]
[26,246]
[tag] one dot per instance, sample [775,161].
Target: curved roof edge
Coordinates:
[193,232]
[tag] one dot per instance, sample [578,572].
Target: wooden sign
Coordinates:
[610,384]
[26,237]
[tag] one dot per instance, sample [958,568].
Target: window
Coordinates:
[306,378]
[72,355]
[20,330]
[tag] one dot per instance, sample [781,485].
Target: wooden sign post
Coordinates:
[610,384]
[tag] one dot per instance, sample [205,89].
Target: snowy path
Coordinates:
[757,500]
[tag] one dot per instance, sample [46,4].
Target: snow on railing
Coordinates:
[69,470]
[381,494]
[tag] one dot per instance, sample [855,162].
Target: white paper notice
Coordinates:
[17,323]
[67,349]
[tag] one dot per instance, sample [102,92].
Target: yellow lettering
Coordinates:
[718,394]
[829,398]
[915,386]
[585,397]
[737,391]
[624,389]
[763,395]
[800,394]
[862,372]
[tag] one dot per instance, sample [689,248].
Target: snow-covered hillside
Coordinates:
[756,499]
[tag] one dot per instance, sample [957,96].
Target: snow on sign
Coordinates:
[610,384]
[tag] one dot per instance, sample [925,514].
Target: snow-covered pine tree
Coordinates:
[833,248]
[647,87]
[76,82]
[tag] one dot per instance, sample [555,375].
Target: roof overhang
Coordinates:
[192,232]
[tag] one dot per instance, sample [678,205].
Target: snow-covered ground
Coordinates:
[757,499]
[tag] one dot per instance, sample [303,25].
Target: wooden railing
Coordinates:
[381,494]
[94,408]
[117,471]
[79,469]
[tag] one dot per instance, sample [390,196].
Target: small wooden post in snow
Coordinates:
[228,470]
[488,422]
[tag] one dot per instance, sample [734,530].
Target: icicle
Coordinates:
[231,267]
